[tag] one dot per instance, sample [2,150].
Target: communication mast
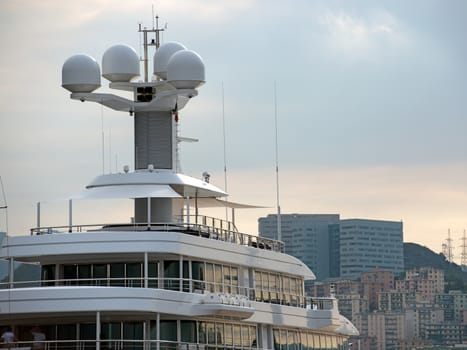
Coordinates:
[464,250]
[154,42]
[448,248]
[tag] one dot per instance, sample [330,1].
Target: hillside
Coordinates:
[416,256]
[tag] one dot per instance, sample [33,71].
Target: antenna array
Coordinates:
[448,248]
[464,250]
[154,42]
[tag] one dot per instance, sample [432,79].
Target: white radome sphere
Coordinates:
[120,63]
[185,70]
[81,73]
[163,55]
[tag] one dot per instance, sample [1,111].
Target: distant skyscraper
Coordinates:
[339,248]
[370,244]
[309,237]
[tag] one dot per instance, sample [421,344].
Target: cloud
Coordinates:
[360,36]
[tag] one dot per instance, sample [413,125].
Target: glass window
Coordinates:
[227,281]
[117,274]
[134,274]
[202,332]
[285,290]
[133,331]
[253,341]
[66,332]
[186,277]
[228,337]
[153,274]
[69,274]
[283,339]
[48,275]
[328,342]
[111,331]
[265,289]
[168,330]
[273,288]
[277,339]
[220,333]
[211,332]
[293,291]
[246,336]
[234,279]
[309,340]
[171,274]
[292,340]
[87,331]
[258,286]
[303,340]
[99,274]
[218,278]
[333,342]
[198,276]
[316,341]
[237,337]
[188,331]
[210,276]
[84,274]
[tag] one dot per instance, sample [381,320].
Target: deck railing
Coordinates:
[120,344]
[197,225]
[183,285]
[117,344]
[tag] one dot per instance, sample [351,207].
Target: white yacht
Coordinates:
[168,277]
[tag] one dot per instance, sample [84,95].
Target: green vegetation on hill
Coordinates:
[416,256]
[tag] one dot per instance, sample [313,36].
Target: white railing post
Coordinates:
[38,214]
[146,270]
[98,330]
[70,215]
[158,331]
[149,213]
[11,274]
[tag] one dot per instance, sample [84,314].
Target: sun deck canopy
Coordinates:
[144,184]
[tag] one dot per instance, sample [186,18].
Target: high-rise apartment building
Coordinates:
[339,248]
[309,237]
[374,282]
[425,283]
[369,244]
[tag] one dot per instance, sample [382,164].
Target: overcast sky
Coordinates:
[371,97]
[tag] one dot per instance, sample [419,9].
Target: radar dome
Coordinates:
[120,63]
[163,55]
[185,70]
[81,73]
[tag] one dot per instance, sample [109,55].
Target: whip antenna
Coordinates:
[5,206]
[279,225]
[225,153]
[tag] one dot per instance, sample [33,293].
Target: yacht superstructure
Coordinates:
[169,278]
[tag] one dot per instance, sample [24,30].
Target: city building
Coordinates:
[374,282]
[446,333]
[391,301]
[370,244]
[338,248]
[387,328]
[308,237]
[424,283]
[460,305]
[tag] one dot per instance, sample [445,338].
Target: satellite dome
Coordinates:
[120,63]
[81,73]
[163,55]
[185,70]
